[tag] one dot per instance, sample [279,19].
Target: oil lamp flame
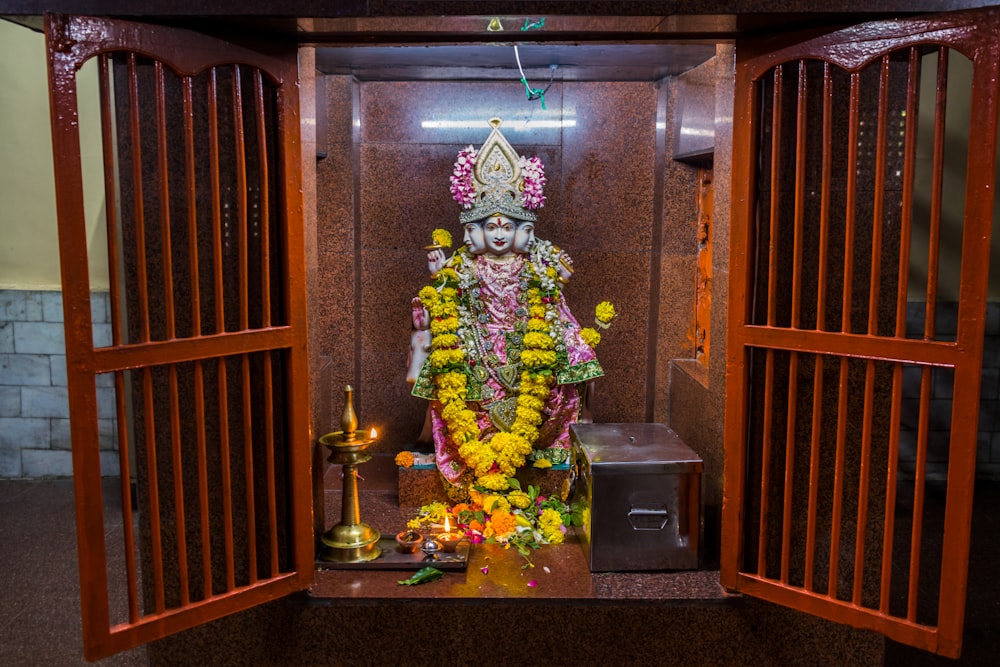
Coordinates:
[449,540]
[373,434]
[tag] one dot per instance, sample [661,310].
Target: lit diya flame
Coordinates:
[373,434]
[448,539]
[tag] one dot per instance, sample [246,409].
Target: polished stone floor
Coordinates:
[39,594]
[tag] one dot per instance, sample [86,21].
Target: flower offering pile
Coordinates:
[514,518]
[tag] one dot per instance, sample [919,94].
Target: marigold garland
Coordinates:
[498,511]
[494,461]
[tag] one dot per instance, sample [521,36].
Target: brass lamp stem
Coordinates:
[350,513]
[349,419]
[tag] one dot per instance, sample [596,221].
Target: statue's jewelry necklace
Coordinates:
[505,285]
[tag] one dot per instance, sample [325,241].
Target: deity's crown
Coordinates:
[495,180]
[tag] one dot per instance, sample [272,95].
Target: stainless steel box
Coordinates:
[642,486]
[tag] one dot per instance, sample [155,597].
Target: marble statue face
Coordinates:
[523,237]
[499,231]
[474,239]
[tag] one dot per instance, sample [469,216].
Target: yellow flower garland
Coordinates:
[494,461]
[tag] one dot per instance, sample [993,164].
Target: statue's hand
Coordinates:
[435,261]
[564,267]
[421,318]
[420,347]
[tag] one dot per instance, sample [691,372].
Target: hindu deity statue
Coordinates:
[497,351]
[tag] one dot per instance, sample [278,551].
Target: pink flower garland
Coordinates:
[534,182]
[462,189]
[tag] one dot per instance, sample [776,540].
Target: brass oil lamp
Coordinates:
[351,540]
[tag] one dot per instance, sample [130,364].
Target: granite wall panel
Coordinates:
[453,112]
[696,409]
[598,147]
[333,295]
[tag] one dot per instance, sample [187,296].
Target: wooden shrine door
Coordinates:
[201,384]
[853,354]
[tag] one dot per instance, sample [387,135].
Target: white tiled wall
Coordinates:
[34,411]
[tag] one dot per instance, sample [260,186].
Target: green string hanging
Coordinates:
[532,93]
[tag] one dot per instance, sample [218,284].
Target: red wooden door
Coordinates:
[838,403]
[201,384]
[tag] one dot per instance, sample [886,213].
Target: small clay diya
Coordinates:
[449,540]
[409,541]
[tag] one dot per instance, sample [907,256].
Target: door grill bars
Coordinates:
[905,235]
[111,219]
[824,239]
[253,411]
[776,227]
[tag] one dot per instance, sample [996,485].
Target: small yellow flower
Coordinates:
[550,522]
[404,459]
[605,312]
[446,357]
[519,499]
[495,504]
[441,237]
[590,336]
[554,536]
[526,431]
[477,497]
[494,482]
[530,402]
[529,416]
[427,294]
[444,325]
[538,358]
[538,341]
[439,309]
[444,341]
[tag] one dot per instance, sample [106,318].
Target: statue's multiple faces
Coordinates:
[498,235]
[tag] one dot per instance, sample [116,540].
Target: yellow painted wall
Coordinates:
[29,252]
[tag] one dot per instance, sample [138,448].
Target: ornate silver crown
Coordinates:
[497,178]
